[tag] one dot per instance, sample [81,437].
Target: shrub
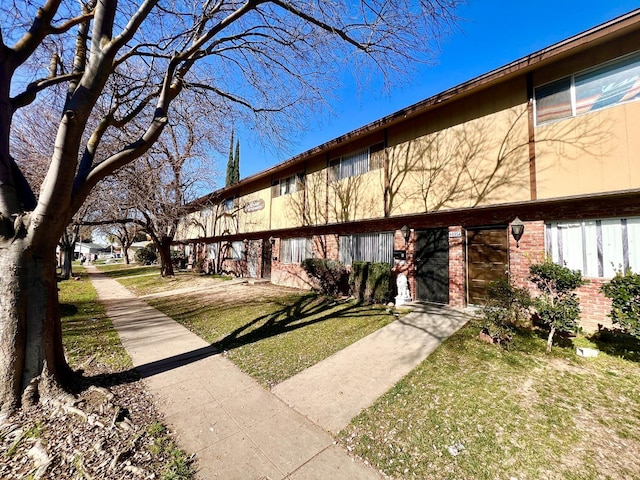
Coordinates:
[557,306]
[146,255]
[624,292]
[370,282]
[328,277]
[378,283]
[357,279]
[506,308]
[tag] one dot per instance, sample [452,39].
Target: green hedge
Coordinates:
[328,277]
[370,282]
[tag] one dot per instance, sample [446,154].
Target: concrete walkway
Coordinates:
[239,430]
[337,389]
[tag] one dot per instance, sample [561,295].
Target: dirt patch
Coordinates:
[106,433]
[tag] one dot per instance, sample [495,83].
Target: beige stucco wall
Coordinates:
[463,155]
[253,211]
[591,153]
[356,198]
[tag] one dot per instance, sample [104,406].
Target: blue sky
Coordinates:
[491,33]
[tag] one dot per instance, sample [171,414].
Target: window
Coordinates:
[234,250]
[596,247]
[357,163]
[285,186]
[295,250]
[367,247]
[229,204]
[610,84]
[553,101]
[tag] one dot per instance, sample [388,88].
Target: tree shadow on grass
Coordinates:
[304,312]
[617,343]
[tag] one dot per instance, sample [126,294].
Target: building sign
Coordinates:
[254,206]
[455,234]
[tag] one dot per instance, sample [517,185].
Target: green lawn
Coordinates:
[273,336]
[143,280]
[469,411]
[477,411]
[88,335]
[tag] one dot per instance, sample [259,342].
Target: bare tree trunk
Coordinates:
[550,339]
[166,265]
[66,267]
[125,254]
[33,360]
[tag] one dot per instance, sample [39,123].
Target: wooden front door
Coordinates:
[487,260]
[266,259]
[432,265]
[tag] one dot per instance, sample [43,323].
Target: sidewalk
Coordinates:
[239,430]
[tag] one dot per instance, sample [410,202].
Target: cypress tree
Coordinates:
[229,179]
[236,164]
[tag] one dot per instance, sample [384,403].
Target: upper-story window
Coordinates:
[606,85]
[229,204]
[287,185]
[357,163]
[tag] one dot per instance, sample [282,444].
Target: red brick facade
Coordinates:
[594,306]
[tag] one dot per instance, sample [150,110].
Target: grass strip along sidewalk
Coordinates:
[111,428]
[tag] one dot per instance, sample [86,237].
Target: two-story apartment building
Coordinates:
[552,138]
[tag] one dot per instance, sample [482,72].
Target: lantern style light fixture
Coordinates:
[517,229]
[272,241]
[406,232]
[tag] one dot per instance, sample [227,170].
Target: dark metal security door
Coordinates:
[488,260]
[432,265]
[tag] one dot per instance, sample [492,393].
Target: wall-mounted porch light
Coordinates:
[517,229]
[406,233]
[272,241]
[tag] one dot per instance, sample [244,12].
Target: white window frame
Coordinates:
[287,185]
[235,250]
[598,247]
[295,250]
[630,62]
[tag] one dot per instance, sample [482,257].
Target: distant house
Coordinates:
[551,139]
[87,249]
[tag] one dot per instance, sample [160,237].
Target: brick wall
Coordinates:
[594,305]
[457,267]
[405,267]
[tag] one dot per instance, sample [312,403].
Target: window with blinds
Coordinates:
[295,250]
[598,248]
[367,247]
[357,163]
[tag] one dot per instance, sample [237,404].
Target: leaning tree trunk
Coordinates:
[552,332]
[32,362]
